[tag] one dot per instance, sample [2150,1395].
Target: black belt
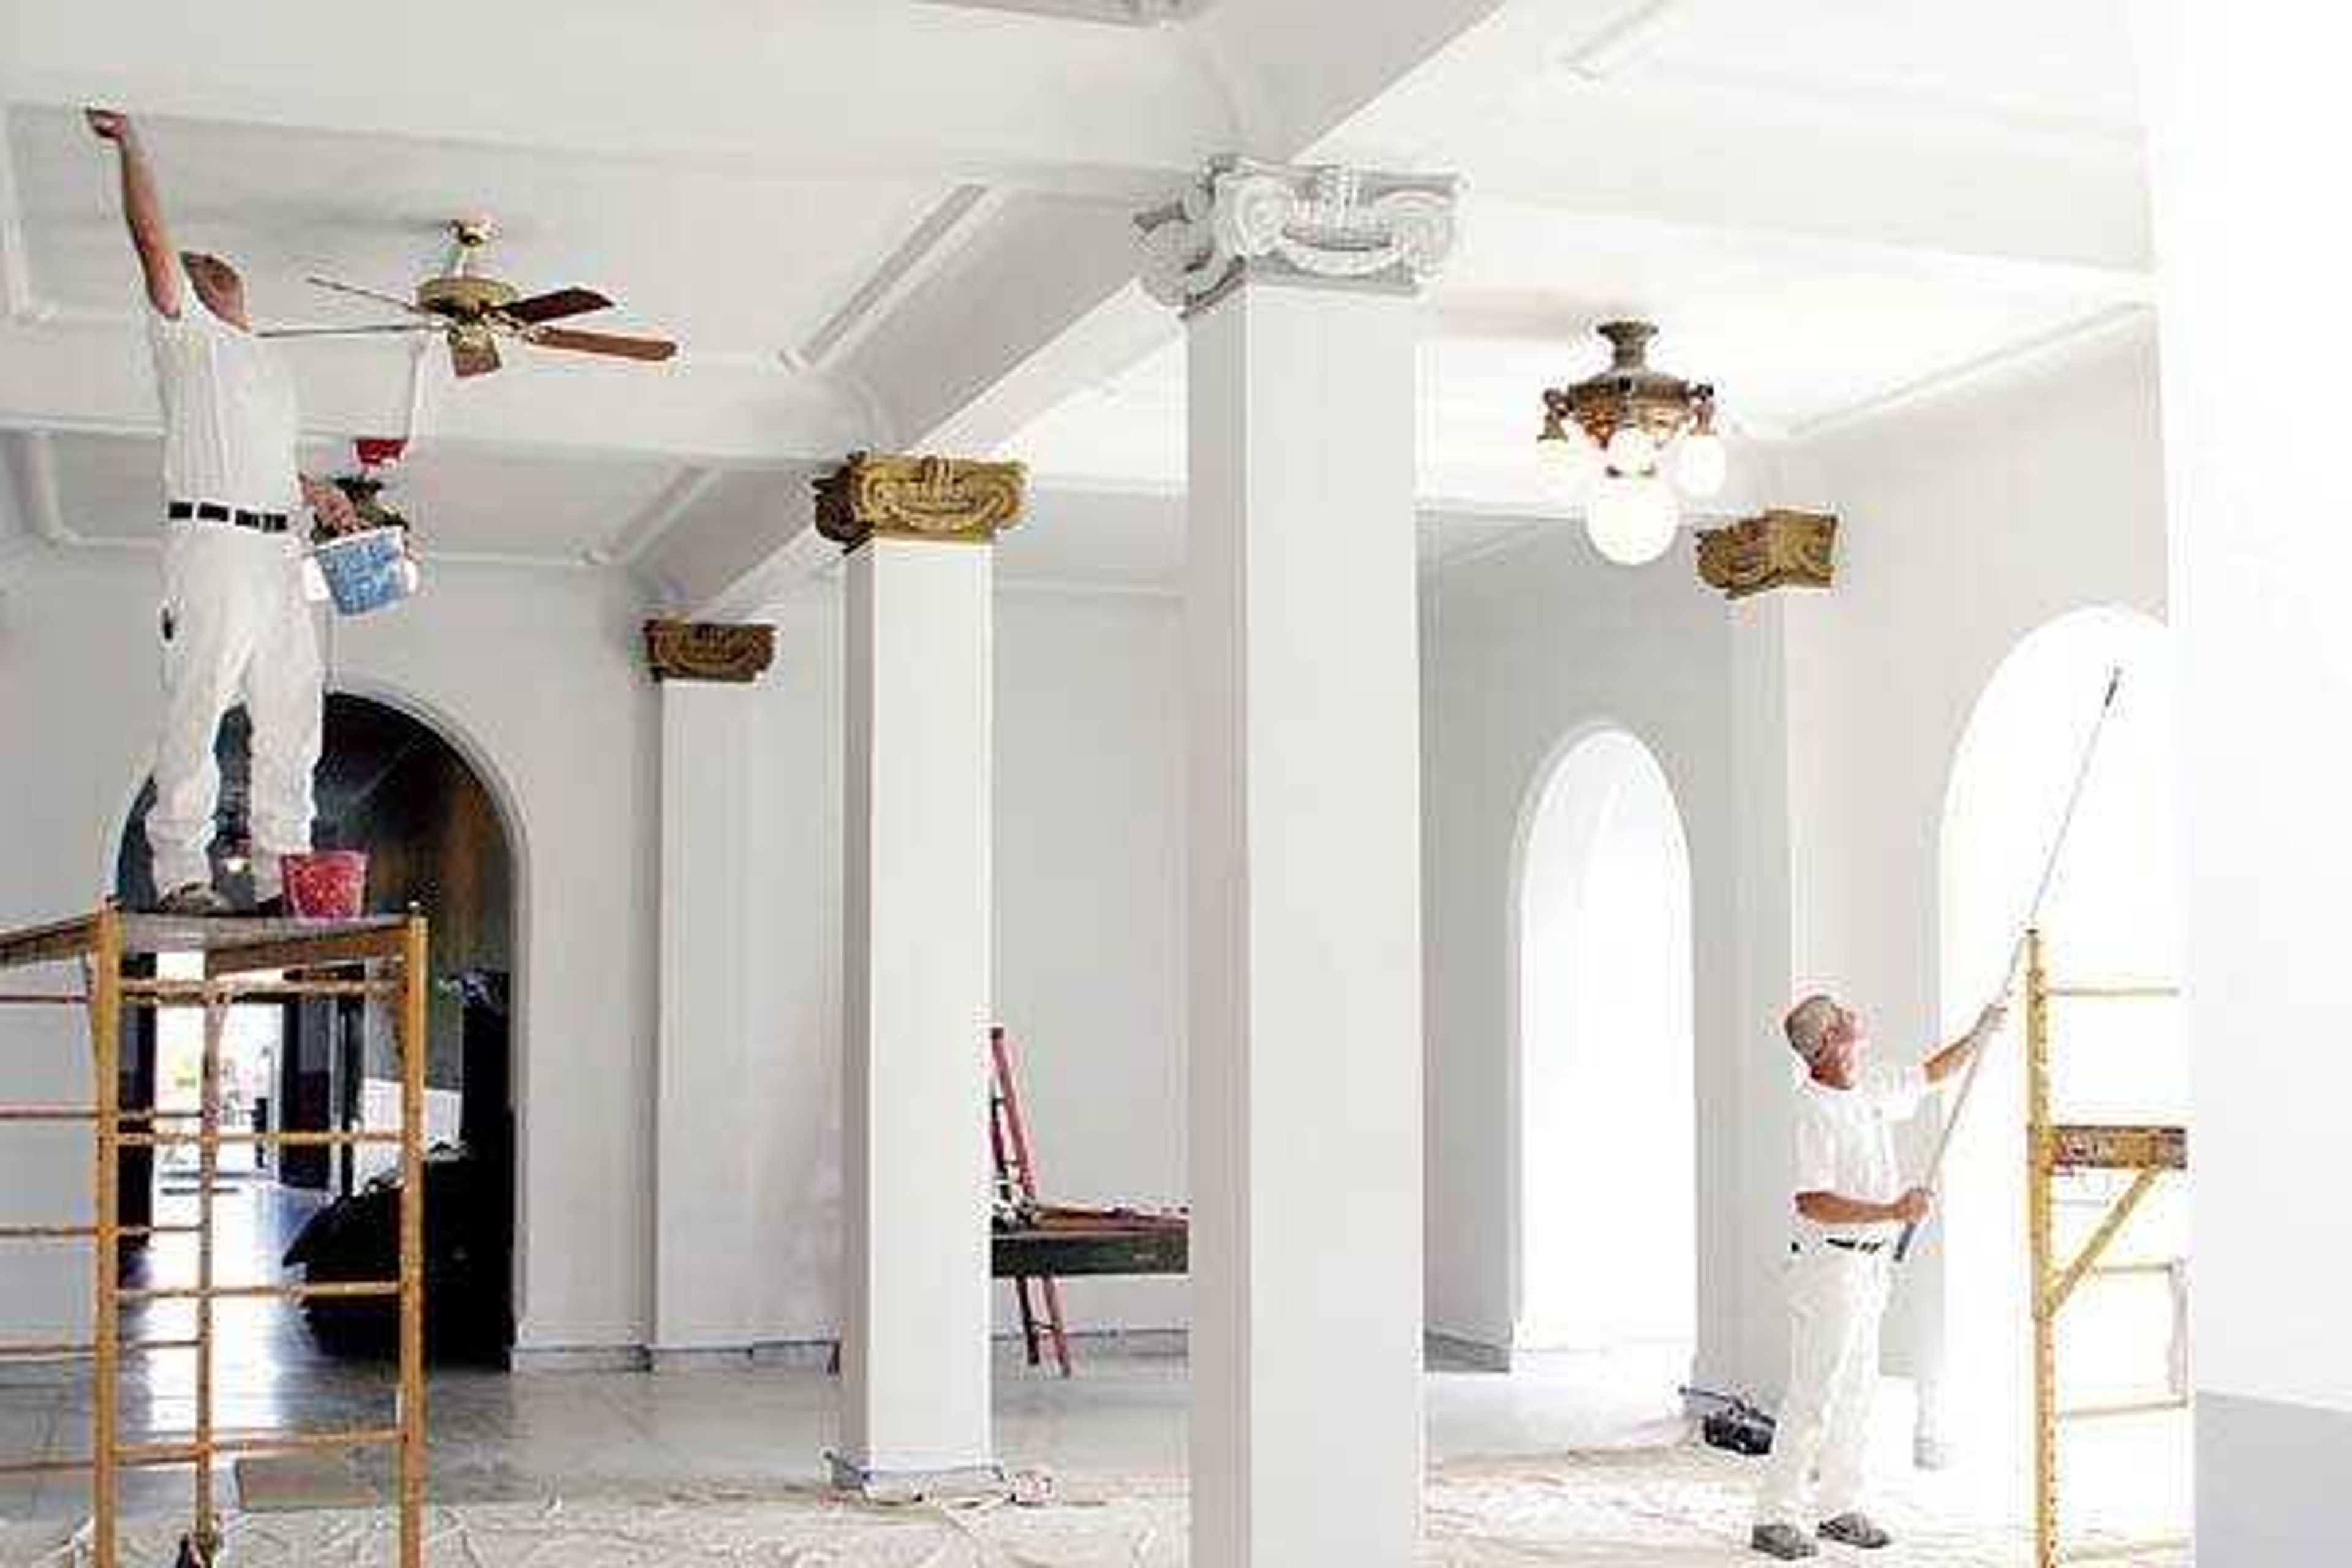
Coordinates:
[1865,1248]
[213,512]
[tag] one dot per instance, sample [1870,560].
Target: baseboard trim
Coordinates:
[580,1358]
[880,1485]
[1453,1352]
[817,1355]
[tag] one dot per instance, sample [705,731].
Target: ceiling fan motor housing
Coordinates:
[465,295]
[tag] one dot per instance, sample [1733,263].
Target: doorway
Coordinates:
[1605,1047]
[390,784]
[2113,916]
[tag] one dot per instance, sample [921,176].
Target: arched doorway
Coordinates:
[390,784]
[1604,1046]
[2113,914]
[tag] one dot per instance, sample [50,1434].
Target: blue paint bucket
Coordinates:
[368,571]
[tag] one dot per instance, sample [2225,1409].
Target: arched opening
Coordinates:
[388,783]
[2113,914]
[1605,1045]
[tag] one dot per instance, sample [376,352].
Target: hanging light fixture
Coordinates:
[1610,440]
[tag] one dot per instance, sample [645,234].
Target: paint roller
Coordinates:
[2016,950]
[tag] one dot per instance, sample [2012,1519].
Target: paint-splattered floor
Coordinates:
[1670,1507]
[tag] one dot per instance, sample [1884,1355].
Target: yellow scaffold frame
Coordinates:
[241,961]
[2151,1153]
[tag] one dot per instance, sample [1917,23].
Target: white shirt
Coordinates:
[1845,1143]
[230,418]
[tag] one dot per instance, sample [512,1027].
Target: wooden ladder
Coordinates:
[1016,1189]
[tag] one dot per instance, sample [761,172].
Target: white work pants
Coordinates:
[1836,1299]
[234,625]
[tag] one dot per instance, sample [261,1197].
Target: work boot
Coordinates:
[1785,1542]
[199,898]
[1855,1530]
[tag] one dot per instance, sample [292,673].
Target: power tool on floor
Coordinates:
[1732,1423]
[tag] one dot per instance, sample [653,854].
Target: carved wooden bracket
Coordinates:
[902,497]
[708,650]
[1779,549]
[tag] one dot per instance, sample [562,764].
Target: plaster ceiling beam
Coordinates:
[1040,299]
[737,535]
[842,88]
[1038,265]
[958,215]
[644,532]
[23,494]
[32,469]
[94,377]
[16,270]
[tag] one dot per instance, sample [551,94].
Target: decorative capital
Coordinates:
[1323,221]
[1779,549]
[901,497]
[708,650]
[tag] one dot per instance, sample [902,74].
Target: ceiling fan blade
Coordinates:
[346,332]
[555,305]
[472,356]
[378,295]
[603,344]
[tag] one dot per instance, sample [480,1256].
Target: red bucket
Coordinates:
[326,885]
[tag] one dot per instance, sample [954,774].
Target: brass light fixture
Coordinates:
[1608,440]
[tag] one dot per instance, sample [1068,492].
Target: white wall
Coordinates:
[1965,522]
[1963,527]
[1089,946]
[1520,651]
[536,678]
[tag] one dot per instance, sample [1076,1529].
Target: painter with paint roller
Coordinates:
[1855,1220]
[232,622]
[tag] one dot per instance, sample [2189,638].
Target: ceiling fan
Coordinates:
[472,310]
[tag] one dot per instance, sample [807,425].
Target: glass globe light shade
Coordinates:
[1566,459]
[1633,518]
[1700,463]
[1630,450]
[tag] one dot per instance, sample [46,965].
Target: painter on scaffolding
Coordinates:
[1849,1205]
[234,623]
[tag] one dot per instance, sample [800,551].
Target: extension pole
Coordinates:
[2016,950]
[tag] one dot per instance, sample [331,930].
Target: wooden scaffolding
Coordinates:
[245,960]
[2055,1148]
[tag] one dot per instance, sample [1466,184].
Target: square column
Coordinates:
[702,1301]
[2248,113]
[1305,882]
[918,905]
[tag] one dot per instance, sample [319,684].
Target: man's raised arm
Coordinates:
[1955,1056]
[142,210]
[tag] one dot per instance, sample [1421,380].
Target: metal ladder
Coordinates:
[1016,1190]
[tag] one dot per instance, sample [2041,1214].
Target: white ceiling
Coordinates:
[1790,339]
[1665,118]
[728,263]
[847,210]
[2048,64]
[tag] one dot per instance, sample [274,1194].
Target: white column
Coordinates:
[917,907]
[1306,1023]
[1776,569]
[702,1211]
[2254,243]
